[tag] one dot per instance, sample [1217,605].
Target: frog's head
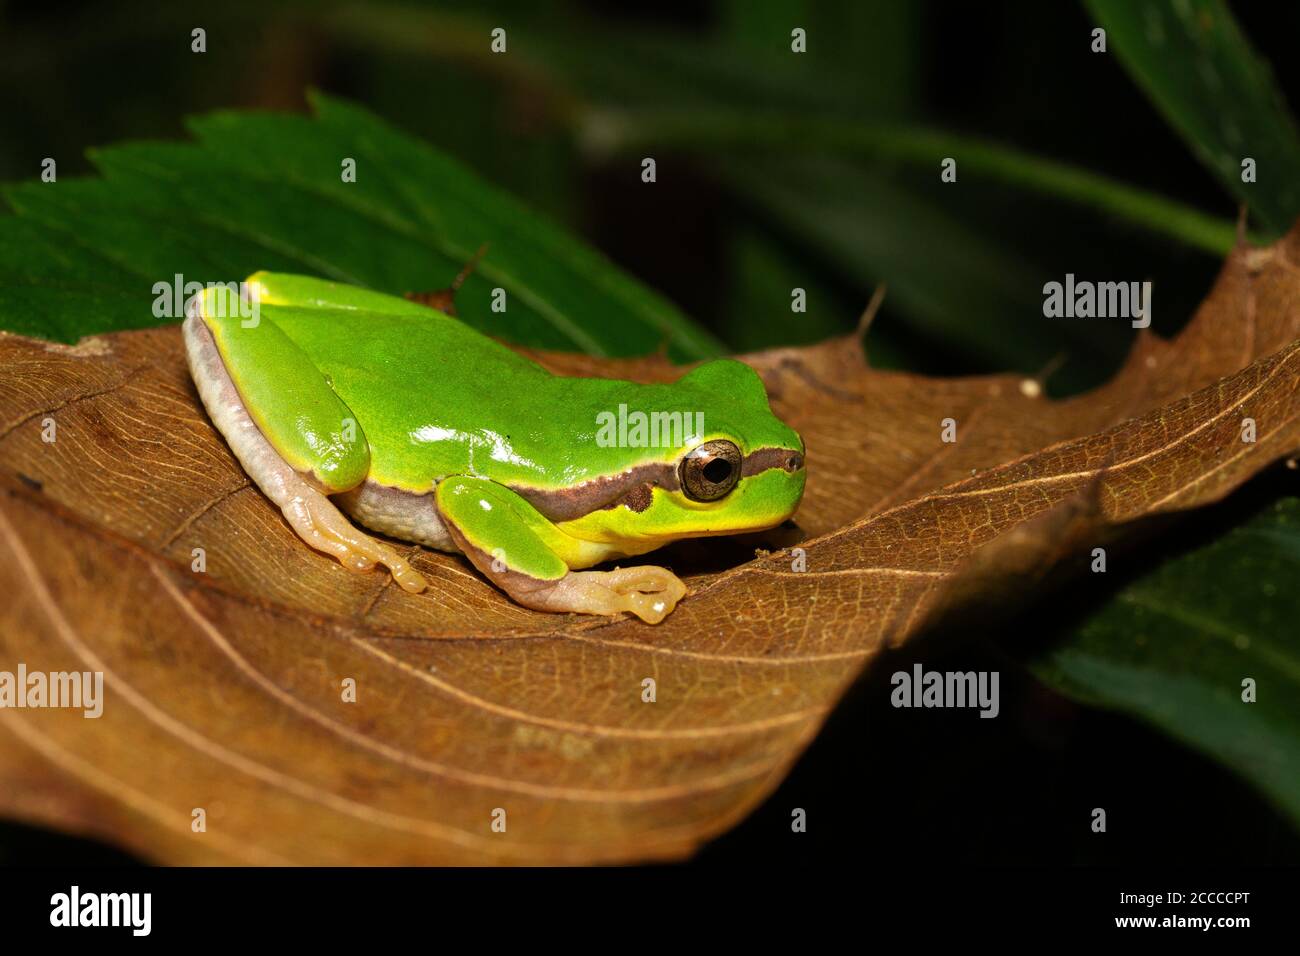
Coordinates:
[745,472]
[734,468]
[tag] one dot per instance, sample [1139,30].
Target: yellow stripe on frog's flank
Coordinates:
[758,502]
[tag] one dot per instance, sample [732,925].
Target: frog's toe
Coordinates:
[649,592]
[649,579]
[322,526]
[651,608]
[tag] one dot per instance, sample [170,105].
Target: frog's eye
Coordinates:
[710,471]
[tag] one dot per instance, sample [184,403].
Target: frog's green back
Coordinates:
[435,397]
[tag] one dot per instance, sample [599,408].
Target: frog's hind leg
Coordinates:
[301,498]
[525,555]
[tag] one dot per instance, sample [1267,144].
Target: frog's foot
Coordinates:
[321,525]
[649,592]
[526,556]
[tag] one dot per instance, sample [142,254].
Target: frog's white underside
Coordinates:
[398,513]
[391,511]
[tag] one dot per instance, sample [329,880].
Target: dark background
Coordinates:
[880,785]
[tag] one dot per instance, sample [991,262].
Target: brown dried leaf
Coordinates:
[223,688]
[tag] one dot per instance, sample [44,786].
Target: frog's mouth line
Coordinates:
[607,491]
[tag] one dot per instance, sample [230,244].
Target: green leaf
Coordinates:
[708,131]
[652,90]
[844,34]
[759,312]
[960,287]
[963,284]
[264,191]
[1174,646]
[1199,70]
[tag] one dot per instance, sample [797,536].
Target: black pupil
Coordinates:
[717,471]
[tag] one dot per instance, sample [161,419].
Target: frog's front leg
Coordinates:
[526,556]
[297,460]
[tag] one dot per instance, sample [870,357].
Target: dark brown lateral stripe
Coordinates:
[762,459]
[638,499]
[566,504]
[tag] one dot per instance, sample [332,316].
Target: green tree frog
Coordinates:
[343,401]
